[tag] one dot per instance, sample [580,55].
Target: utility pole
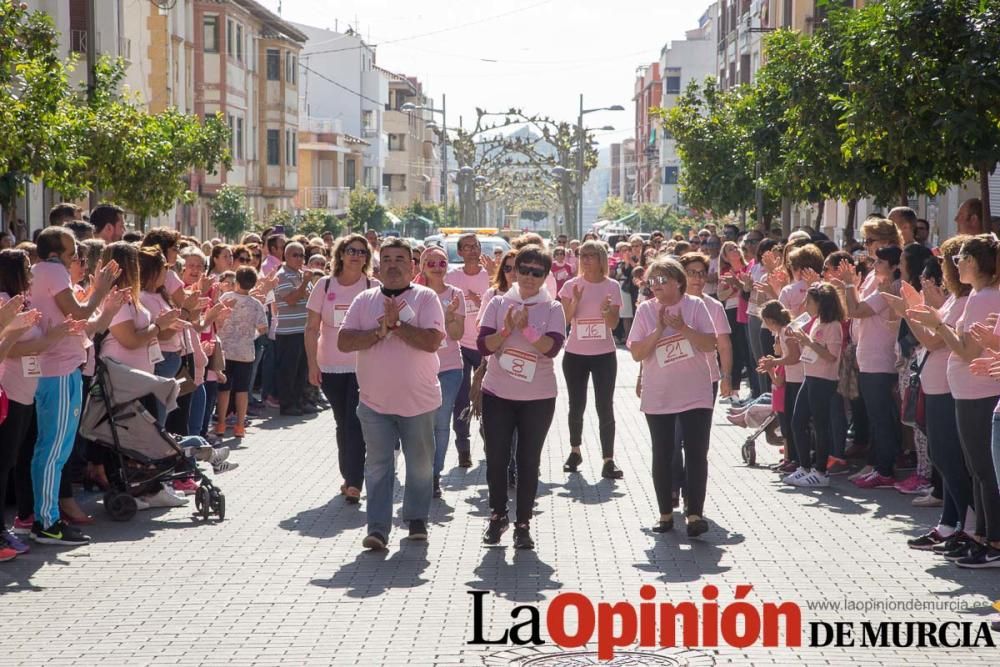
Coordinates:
[92,70]
[579,171]
[444,155]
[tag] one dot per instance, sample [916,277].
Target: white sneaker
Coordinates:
[814,478]
[795,476]
[219,454]
[164,498]
[224,466]
[141,504]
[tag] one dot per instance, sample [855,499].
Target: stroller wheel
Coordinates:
[219,504]
[203,503]
[749,452]
[120,506]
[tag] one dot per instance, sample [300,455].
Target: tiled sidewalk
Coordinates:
[284,581]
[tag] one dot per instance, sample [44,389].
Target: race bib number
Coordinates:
[800,321]
[591,329]
[154,352]
[672,350]
[519,364]
[269,299]
[808,355]
[562,275]
[471,307]
[753,310]
[31,367]
[406,314]
[339,313]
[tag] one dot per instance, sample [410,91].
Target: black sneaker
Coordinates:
[418,529]
[496,528]
[926,542]
[291,412]
[58,533]
[611,471]
[963,551]
[983,557]
[522,537]
[308,409]
[573,462]
[374,541]
[956,540]
[464,459]
[437,486]
[696,526]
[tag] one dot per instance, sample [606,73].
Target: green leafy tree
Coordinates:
[315,221]
[653,217]
[614,208]
[364,211]
[230,213]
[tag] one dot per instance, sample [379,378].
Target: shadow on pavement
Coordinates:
[678,558]
[333,518]
[522,578]
[579,490]
[374,572]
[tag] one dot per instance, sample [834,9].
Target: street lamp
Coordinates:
[410,106]
[580,156]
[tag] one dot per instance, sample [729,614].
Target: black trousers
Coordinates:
[13,432]
[697,427]
[741,352]
[785,418]
[292,369]
[471,359]
[813,405]
[577,369]
[341,391]
[944,448]
[975,428]
[531,421]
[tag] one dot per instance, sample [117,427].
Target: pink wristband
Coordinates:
[531,334]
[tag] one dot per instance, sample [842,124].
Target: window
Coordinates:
[231,120]
[672,85]
[239,42]
[670,175]
[291,63]
[288,146]
[295,149]
[273,148]
[210,33]
[350,173]
[273,65]
[230,42]
[397,142]
[239,138]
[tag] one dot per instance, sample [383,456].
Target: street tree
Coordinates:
[363,211]
[614,208]
[230,212]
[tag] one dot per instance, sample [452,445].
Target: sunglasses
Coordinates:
[436,264]
[242,258]
[695,242]
[530,271]
[658,280]
[507,268]
[257,255]
[356,252]
[957,259]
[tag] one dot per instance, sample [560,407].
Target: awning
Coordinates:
[393,218]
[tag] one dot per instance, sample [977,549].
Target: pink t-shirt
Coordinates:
[17,385]
[49,278]
[964,385]
[477,284]
[551,286]
[332,302]
[395,378]
[831,336]
[561,272]
[516,370]
[155,304]
[794,373]
[793,298]
[269,264]
[450,354]
[721,323]
[876,336]
[675,377]
[141,358]
[589,335]
[200,358]
[172,282]
[934,376]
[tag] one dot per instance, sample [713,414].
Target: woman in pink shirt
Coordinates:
[671,336]
[433,267]
[975,396]
[820,343]
[561,269]
[523,331]
[155,299]
[335,372]
[591,302]
[731,271]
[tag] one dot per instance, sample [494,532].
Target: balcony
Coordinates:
[329,198]
[321,125]
[370,132]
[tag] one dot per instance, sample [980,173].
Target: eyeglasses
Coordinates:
[658,280]
[436,264]
[695,242]
[356,252]
[531,271]
[957,259]
[697,274]
[507,268]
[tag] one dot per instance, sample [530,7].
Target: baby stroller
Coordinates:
[759,416]
[146,456]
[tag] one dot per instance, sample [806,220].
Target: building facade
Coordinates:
[413,162]
[648,94]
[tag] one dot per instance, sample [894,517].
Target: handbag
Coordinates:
[847,376]
[185,377]
[913,412]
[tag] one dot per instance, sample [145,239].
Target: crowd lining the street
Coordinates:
[877,357]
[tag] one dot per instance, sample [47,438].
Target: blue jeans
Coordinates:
[197,411]
[57,406]
[382,434]
[470,362]
[269,371]
[879,393]
[211,396]
[450,381]
[166,369]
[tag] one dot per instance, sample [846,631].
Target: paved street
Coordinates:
[284,581]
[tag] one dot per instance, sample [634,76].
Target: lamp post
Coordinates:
[409,106]
[580,159]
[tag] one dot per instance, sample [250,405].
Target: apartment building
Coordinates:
[330,164]
[648,95]
[627,171]
[682,61]
[247,67]
[413,162]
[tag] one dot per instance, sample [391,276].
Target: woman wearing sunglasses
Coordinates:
[329,368]
[523,331]
[591,302]
[672,335]
[433,267]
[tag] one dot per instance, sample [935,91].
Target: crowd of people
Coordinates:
[876,358]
